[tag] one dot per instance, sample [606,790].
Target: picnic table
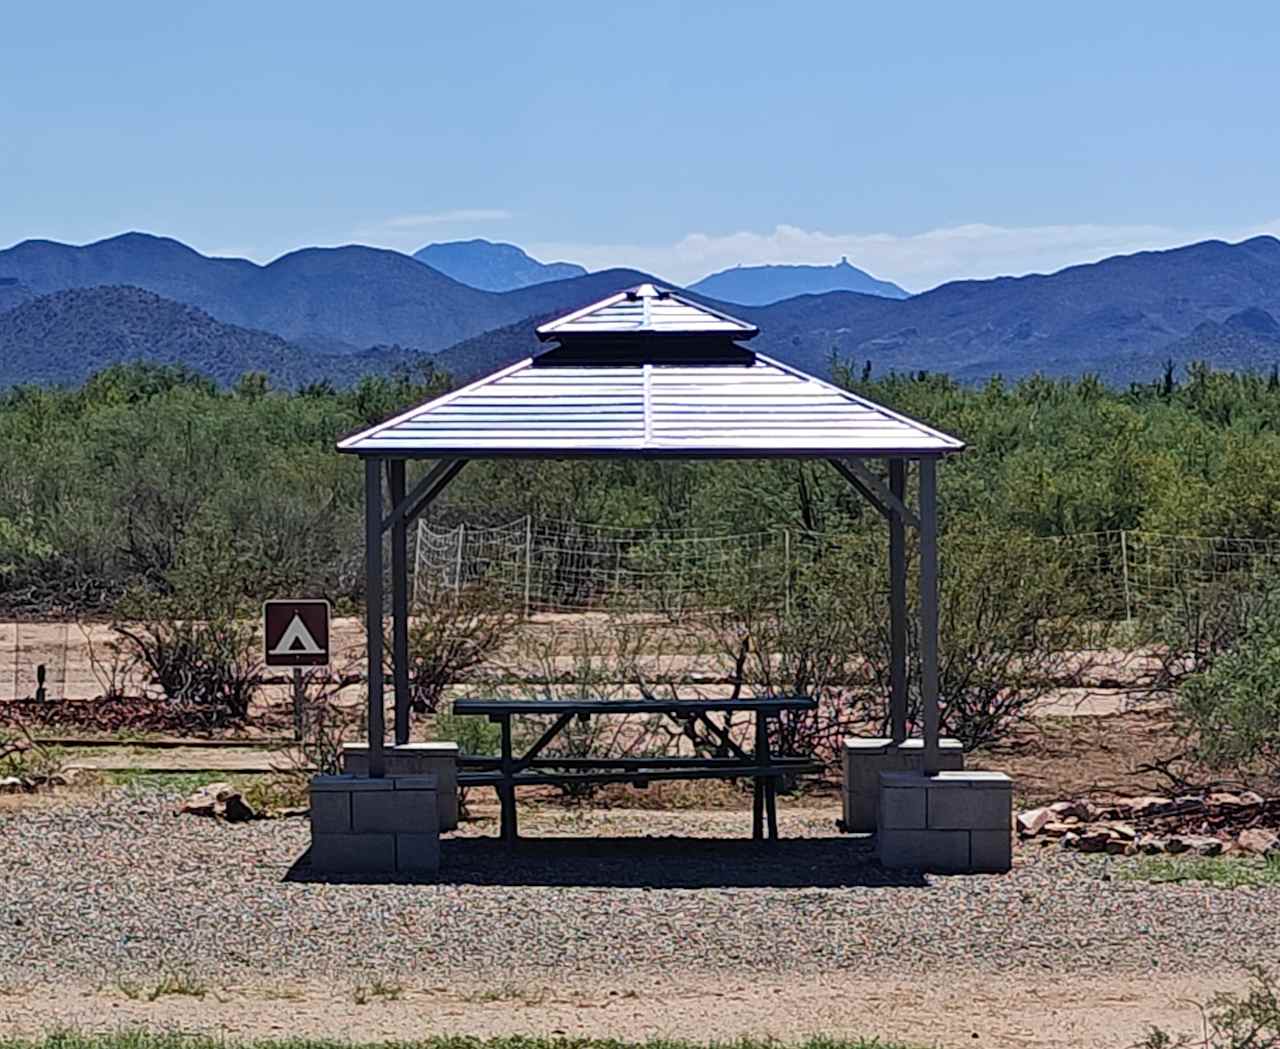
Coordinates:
[731,760]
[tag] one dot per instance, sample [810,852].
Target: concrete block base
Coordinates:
[375,826]
[415,759]
[952,823]
[866,757]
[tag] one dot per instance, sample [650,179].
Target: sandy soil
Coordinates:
[1048,1011]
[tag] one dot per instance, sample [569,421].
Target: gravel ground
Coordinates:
[119,887]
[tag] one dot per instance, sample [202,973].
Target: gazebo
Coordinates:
[649,373]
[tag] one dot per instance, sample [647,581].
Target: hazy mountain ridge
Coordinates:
[493,266]
[764,285]
[1120,317]
[64,337]
[327,299]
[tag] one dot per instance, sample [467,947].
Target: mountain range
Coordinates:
[493,267]
[311,314]
[762,285]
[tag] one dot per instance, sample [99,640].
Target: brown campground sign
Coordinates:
[296,633]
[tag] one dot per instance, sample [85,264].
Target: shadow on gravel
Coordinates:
[649,863]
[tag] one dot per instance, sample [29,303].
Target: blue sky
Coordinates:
[926,141]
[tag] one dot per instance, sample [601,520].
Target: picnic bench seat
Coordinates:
[730,759]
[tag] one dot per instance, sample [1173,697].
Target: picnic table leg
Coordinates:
[507,788]
[757,807]
[771,783]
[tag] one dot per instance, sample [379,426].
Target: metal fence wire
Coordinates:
[552,566]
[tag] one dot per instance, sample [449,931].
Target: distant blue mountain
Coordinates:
[493,267]
[762,285]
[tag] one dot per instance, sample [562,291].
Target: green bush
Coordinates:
[1232,1021]
[1231,710]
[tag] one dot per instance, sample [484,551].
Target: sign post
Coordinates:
[296,635]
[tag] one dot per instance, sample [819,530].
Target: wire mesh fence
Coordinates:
[565,567]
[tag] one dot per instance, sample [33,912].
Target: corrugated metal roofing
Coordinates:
[762,409]
[668,395]
[646,309]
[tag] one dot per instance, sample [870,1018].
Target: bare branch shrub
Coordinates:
[453,632]
[208,669]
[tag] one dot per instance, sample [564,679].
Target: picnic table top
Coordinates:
[769,705]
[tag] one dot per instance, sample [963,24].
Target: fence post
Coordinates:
[1124,569]
[528,561]
[786,569]
[457,566]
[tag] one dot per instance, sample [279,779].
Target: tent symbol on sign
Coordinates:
[296,641]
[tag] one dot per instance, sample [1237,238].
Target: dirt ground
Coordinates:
[1055,1011]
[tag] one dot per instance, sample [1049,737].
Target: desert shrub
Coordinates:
[1231,709]
[1012,627]
[452,632]
[476,737]
[207,668]
[1232,1021]
[24,757]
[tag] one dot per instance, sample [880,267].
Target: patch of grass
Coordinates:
[377,989]
[266,794]
[1224,872]
[140,1039]
[171,984]
[508,992]
[142,781]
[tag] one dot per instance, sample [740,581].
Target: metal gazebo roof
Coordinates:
[650,374]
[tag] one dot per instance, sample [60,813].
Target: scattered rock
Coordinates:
[1057,830]
[1033,821]
[1065,810]
[1092,841]
[1153,846]
[12,785]
[1122,831]
[1249,798]
[1225,801]
[1120,847]
[1151,805]
[1200,844]
[1260,842]
[220,801]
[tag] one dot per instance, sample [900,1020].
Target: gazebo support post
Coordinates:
[898,606]
[373,611]
[929,612]
[399,602]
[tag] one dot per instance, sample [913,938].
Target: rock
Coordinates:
[1153,846]
[1122,831]
[1260,842]
[1120,847]
[1225,801]
[1033,821]
[1064,810]
[1248,797]
[220,801]
[12,785]
[1057,830]
[1200,844]
[1070,840]
[1093,841]
[1150,805]
[1175,845]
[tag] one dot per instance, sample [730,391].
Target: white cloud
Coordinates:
[445,218]
[916,261]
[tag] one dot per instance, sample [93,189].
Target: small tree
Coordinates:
[207,668]
[1231,709]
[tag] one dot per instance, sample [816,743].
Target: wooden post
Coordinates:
[373,613]
[298,697]
[399,603]
[929,612]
